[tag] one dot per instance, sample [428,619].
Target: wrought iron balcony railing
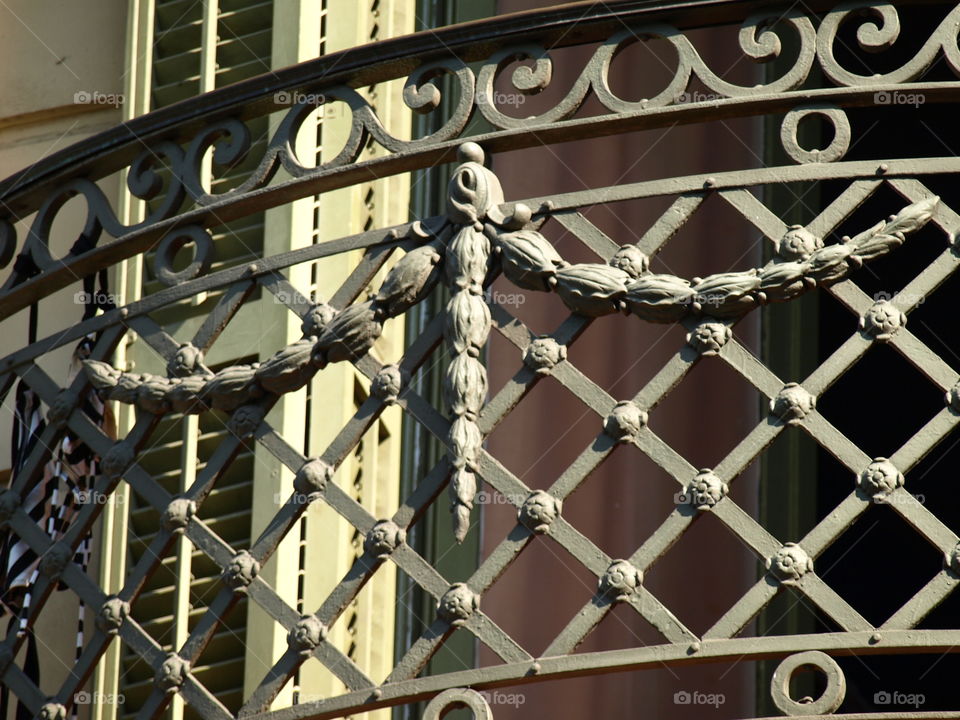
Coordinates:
[481,236]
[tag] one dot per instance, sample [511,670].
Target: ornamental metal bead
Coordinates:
[54,560]
[307,634]
[543,353]
[9,502]
[790,563]
[457,604]
[383,538]
[245,420]
[188,360]
[313,477]
[61,408]
[112,614]
[172,673]
[625,421]
[880,478]
[117,460]
[798,243]
[316,319]
[388,383]
[539,511]
[709,336]
[707,489]
[178,513]
[953,398]
[793,403]
[241,570]
[953,559]
[620,581]
[631,260]
[882,320]
[52,711]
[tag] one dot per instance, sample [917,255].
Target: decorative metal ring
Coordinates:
[827,703]
[456,697]
[834,151]
[171,244]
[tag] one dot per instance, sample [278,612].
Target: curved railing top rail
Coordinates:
[113,149]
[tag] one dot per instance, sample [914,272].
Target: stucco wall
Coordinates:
[54,56]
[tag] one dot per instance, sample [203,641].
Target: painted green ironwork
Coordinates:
[481,236]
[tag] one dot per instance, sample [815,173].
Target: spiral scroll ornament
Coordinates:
[228,140]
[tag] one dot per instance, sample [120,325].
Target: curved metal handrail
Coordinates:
[481,236]
[46,186]
[517,674]
[111,150]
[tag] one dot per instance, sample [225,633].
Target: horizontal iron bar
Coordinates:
[581,664]
[570,24]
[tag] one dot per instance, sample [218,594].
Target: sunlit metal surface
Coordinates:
[482,235]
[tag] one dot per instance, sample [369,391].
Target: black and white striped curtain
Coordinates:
[55,500]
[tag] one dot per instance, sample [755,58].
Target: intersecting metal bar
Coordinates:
[667,225]
[852,197]
[373,259]
[746,203]
[744,610]
[154,336]
[925,440]
[587,232]
[836,522]
[216,321]
[924,521]
[667,378]
[736,187]
[832,604]
[921,604]
[835,442]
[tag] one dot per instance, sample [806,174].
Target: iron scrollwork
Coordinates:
[484,235]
